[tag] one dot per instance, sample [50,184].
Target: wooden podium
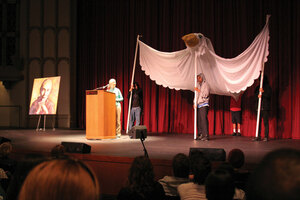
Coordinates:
[100,114]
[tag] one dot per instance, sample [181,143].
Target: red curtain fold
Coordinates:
[106,40]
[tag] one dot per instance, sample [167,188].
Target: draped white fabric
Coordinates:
[229,77]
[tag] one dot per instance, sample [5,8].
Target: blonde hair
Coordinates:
[60,179]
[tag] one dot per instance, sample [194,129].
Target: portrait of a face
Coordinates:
[44,96]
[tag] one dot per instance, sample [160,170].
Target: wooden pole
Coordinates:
[132,78]
[259,100]
[195,100]
[260,86]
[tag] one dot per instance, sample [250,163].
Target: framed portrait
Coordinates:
[44,96]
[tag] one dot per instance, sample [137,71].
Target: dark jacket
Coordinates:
[266,96]
[138,97]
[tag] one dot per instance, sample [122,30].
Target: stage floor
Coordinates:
[159,146]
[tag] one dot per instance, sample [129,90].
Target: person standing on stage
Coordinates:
[112,88]
[265,107]
[236,115]
[202,103]
[136,105]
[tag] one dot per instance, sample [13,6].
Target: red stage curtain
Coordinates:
[107,32]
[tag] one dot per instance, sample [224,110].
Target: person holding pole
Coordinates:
[202,104]
[266,91]
[112,88]
[136,104]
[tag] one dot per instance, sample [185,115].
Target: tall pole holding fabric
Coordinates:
[259,99]
[195,98]
[132,78]
[260,87]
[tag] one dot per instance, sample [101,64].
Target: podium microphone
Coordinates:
[103,87]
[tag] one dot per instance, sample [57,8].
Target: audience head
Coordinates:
[5,149]
[227,167]
[219,185]
[276,177]
[236,158]
[200,167]
[60,179]
[181,166]
[58,151]
[141,172]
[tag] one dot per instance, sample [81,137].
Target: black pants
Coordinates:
[264,115]
[202,121]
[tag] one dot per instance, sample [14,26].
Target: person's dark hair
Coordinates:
[5,149]
[277,177]
[181,166]
[227,167]
[58,151]
[219,185]
[200,167]
[236,158]
[141,175]
[136,84]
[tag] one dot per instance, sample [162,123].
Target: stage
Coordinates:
[111,158]
[159,146]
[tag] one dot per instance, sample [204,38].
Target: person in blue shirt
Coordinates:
[112,88]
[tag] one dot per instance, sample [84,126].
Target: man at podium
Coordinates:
[112,88]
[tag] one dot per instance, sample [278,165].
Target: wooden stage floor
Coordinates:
[159,146]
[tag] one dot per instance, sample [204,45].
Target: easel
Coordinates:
[44,128]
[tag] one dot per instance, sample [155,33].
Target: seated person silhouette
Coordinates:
[43,105]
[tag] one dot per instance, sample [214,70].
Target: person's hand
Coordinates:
[131,88]
[42,109]
[194,106]
[261,90]
[197,89]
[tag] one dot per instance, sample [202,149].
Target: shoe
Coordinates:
[266,140]
[205,139]
[199,137]
[118,136]
[233,134]
[256,139]
[238,134]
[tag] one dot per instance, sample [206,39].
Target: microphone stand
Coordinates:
[102,87]
[145,150]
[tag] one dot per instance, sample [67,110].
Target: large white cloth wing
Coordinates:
[224,76]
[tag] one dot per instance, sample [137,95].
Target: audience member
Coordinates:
[181,171]
[141,183]
[277,177]
[60,179]
[200,168]
[236,158]
[7,165]
[58,151]
[219,185]
[22,169]
[239,194]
